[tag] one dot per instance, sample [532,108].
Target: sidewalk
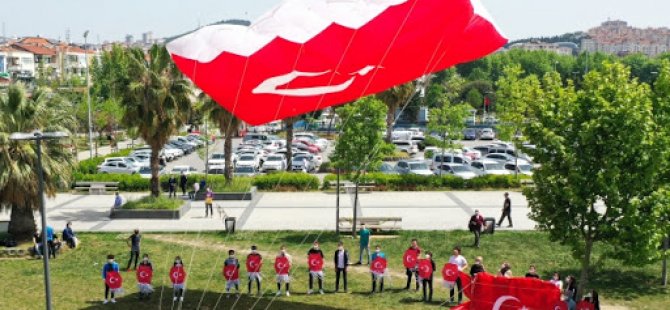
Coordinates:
[297,211]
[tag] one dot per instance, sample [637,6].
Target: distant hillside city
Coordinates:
[28,58]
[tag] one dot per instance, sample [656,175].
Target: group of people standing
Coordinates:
[197,186]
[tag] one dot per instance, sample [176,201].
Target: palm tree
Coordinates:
[228,125]
[156,100]
[395,97]
[18,160]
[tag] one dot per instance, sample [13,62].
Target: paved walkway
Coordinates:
[297,211]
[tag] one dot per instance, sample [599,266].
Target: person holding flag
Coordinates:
[231,272]
[457,259]
[178,277]
[111,277]
[254,263]
[283,263]
[411,260]
[426,267]
[144,274]
[315,261]
[378,269]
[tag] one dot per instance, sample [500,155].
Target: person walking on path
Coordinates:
[110,266]
[69,236]
[460,261]
[341,260]
[134,243]
[315,272]
[209,200]
[378,276]
[172,187]
[283,264]
[414,270]
[475,225]
[364,235]
[506,211]
[183,180]
[427,282]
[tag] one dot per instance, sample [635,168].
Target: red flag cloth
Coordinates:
[338,51]
[585,305]
[450,272]
[466,282]
[498,293]
[177,275]
[113,280]
[254,263]
[231,272]
[410,258]
[282,265]
[425,268]
[464,306]
[378,265]
[560,305]
[144,274]
[315,262]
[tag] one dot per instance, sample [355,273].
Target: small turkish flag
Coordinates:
[585,305]
[315,262]
[409,258]
[113,280]
[425,269]
[254,263]
[177,275]
[144,274]
[378,265]
[450,272]
[282,265]
[231,272]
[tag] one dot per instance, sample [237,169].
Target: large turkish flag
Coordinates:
[498,293]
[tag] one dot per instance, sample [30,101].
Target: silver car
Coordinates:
[413,167]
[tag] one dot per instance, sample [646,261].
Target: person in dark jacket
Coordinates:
[341,260]
[427,283]
[477,267]
[182,183]
[68,235]
[532,272]
[318,274]
[506,211]
[475,225]
[134,243]
[172,187]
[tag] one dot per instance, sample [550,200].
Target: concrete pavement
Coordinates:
[297,211]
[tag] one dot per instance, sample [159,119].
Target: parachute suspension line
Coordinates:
[218,300]
[267,287]
[295,66]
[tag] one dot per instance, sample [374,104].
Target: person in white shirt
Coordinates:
[460,261]
[556,280]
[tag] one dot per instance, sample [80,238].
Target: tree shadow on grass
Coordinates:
[627,285]
[192,300]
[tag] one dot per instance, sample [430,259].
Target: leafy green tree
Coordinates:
[42,110]
[474,98]
[394,98]
[597,180]
[228,125]
[156,100]
[513,97]
[449,122]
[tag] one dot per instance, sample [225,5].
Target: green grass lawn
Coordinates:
[77,283]
[154,203]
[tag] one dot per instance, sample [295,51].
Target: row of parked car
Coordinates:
[138,161]
[262,153]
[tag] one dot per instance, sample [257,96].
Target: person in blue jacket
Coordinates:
[68,235]
[111,265]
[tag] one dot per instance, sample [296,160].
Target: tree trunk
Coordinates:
[155,168]
[289,143]
[228,153]
[586,265]
[22,223]
[390,119]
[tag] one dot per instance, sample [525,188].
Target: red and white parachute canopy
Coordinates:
[306,55]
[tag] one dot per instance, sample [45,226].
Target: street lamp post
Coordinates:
[38,137]
[88,98]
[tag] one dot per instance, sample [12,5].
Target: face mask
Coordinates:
[340,248]
[110,261]
[283,252]
[146,259]
[427,256]
[178,262]
[377,251]
[316,247]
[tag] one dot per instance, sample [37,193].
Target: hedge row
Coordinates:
[283,181]
[411,182]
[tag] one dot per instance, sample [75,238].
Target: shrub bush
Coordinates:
[287,181]
[154,203]
[410,182]
[127,182]
[90,166]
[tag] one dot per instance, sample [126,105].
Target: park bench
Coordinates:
[350,187]
[373,223]
[96,188]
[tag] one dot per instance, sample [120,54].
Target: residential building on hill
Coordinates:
[617,37]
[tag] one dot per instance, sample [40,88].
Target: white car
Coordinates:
[487,166]
[142,160]
[461,171]
[417,167]
[274,163]
[487,134]
[183,169]
[317,160]
[128,160]
[219,159]
[472,153]
[119,167]
[521,167]
[172,153]
[406,146]
[248,160]
[145,172]
[448,158]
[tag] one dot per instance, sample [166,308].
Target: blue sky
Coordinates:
[112,20]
